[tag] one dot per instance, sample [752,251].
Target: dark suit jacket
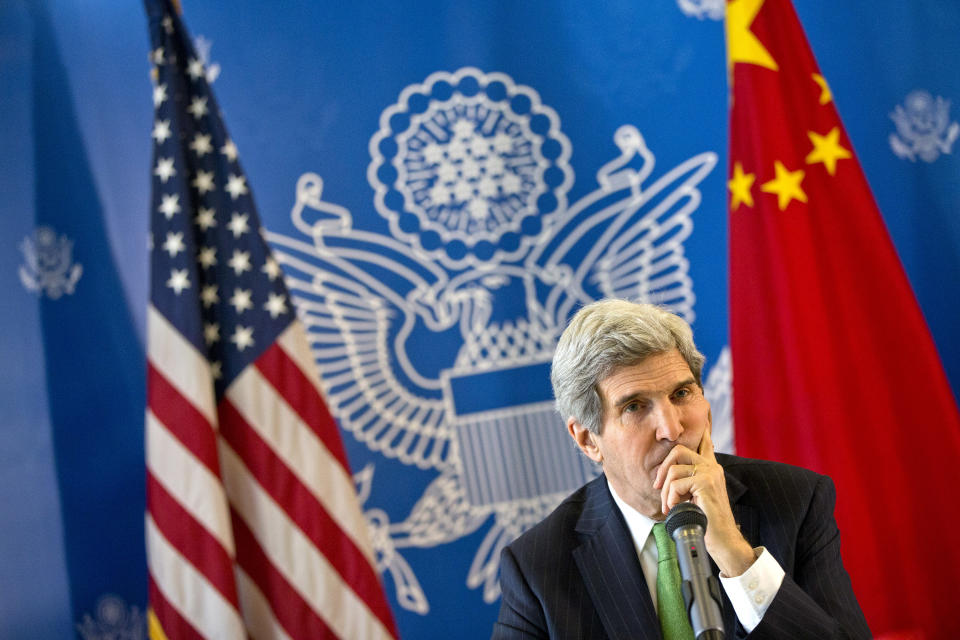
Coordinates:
[577,575]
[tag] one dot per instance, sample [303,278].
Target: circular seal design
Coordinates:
[469,167]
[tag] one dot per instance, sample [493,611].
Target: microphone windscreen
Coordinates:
[685,513]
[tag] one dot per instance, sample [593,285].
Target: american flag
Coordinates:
[253,528]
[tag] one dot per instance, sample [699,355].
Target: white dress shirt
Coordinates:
[750,593]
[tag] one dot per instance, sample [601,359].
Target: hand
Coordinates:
[698,477]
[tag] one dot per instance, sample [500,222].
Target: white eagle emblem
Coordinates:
[48,267]
[434,343]
[923,127]
[115,621]
[700,9]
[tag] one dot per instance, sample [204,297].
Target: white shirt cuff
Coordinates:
[752,592]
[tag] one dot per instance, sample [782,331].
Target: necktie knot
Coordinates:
[666,549]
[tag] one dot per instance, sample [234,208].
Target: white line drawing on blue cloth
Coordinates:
[494,269]
[115,620]
[700,9]
[923,126]
[48,268]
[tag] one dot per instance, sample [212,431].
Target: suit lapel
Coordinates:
[611,571]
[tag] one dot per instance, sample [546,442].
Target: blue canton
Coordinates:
[212,275]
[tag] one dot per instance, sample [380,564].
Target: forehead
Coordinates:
[659,373]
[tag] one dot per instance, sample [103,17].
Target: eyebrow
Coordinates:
[619,402]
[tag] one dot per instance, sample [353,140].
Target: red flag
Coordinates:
[253,525]
[835,368]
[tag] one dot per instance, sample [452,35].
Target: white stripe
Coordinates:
[188,591]
[189,481]
[257,614]
[295,556]
[181,364]
[302,452]
[293,341]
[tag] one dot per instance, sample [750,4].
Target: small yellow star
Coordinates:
[740,185]
[825,95]
[742,45]
[786,185]
[827,149]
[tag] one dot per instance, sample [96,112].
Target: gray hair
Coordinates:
[604,336]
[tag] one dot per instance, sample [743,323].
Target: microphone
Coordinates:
[686,523]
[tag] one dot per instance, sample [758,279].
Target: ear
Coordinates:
[586,441]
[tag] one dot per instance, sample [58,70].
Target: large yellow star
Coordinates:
[742,45]
[740,185]
[786,185]
[827,149]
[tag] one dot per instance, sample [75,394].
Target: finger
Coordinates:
[675,492]
[706,446]
[678,455]
[679,481]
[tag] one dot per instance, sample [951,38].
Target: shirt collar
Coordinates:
[639,525]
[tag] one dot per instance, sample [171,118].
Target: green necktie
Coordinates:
[674,622]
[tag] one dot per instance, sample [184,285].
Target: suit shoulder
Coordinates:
[556,527]
[766,476]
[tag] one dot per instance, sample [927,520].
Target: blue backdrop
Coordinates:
[461,167]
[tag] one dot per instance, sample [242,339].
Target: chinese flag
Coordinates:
[835,369]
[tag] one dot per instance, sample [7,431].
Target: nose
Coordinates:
[667,421]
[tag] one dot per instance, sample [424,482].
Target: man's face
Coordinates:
[648,409]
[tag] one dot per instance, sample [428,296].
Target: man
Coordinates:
[626,378]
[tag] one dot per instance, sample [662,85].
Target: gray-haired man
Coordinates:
[626,378]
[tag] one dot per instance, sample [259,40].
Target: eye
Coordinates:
[683,393]
[631,407]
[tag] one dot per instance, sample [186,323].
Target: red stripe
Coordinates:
[304,509]
[285,376]
[182,419]
[174,625]
[290,609]
[192,540]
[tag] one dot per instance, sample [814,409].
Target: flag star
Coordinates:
[239,261]
[211,332]
[209,296]
[240,300]
[201,144]
[198,107]
[195,68]
[203,182]
[825,94]
[742,44]
[170,206]
[242,337]
[157,55]
[216,369]
[786,185]
[827,149]
[238,224]
[161,131]
[207,257]
[740,186]
[230,150]
[205,219]
[149,242]
[167,23]
[276,305]
[272,269]
[164,169]
[236,186]
[174,244]
[178,280]
[159,95]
